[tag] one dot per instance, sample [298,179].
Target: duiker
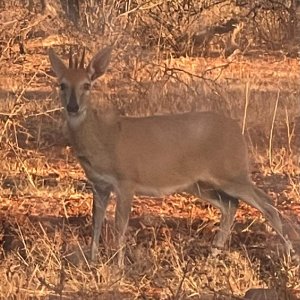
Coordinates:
[202,152]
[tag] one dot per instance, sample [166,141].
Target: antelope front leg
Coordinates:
[123,208]
[101,195]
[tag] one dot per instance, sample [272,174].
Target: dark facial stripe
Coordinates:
[72,105]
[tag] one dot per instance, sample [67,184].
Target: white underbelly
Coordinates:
[138,189]
[162,190]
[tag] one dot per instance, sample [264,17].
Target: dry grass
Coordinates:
[45,201]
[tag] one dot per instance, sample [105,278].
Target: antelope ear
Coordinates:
[99,63]
[57,64]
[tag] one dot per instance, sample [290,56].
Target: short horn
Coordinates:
[70,58]
[81,66]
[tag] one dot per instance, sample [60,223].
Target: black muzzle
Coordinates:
[72,106]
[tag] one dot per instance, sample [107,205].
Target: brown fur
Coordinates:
[204,153]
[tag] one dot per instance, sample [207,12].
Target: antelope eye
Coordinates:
[62,86]
[87,86]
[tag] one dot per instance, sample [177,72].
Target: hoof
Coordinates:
[216,252]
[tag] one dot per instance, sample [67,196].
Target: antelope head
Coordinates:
[76,80]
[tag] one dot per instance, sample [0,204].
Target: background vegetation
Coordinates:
[239,58]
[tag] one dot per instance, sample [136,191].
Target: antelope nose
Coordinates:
[72,107]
